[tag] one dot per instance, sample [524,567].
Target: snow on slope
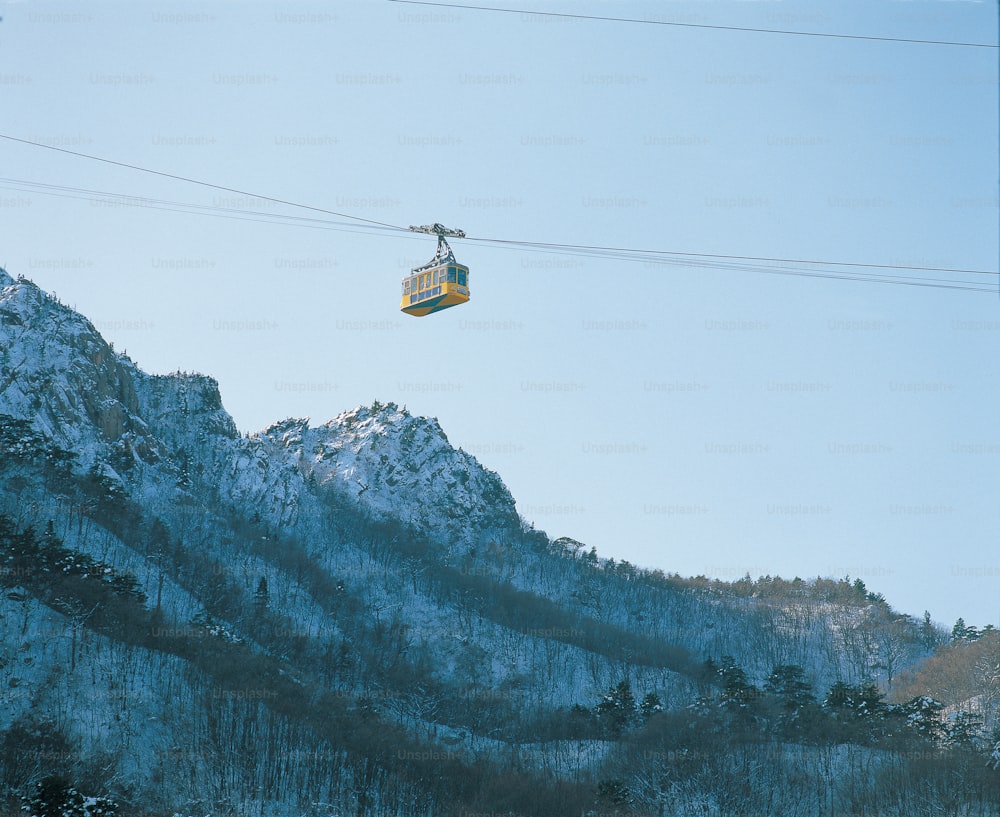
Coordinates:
[411,628]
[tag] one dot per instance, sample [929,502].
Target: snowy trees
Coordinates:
[963,674]
[797,716]
[737,691]
[858,712]
[788,682]
[71,581]
[760,744]
[618,708]
[964,730]
[923,715]
[650,705]
[54,796]
[962,632]
[759,730]
[747,754]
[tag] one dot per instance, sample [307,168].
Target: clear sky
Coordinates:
[696,419]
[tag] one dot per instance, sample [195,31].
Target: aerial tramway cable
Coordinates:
[802,267]
[679,24]
[189,180]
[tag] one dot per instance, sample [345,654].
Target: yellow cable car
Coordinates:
[440,283]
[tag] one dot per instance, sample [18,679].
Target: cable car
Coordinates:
[440,283]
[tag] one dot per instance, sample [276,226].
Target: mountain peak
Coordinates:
[395,464]
[65,378]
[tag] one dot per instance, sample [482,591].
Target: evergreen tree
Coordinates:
[787,681]
[618,708]
[581,724]
[928,632]
[961,632]
[55,797]
[614,792]
[860,589]
[860,710]
[923,715]
[261,597]
[871,702]
[964,731]
[737,691]
[651,704]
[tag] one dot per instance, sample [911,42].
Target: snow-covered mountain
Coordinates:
[393,464]
[86,398]
[341,617]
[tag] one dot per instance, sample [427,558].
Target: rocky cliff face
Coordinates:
[394,464]
[58,371]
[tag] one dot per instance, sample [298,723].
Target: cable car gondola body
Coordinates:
[440,283]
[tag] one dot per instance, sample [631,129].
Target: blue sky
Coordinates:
[695,419]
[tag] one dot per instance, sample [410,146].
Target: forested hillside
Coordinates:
[351,618]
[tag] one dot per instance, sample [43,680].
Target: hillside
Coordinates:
[350,617]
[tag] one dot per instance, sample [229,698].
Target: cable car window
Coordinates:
[452,273]
[462,277]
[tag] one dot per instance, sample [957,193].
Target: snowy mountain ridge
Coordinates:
[90,399]
[354,613]
[393,463]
